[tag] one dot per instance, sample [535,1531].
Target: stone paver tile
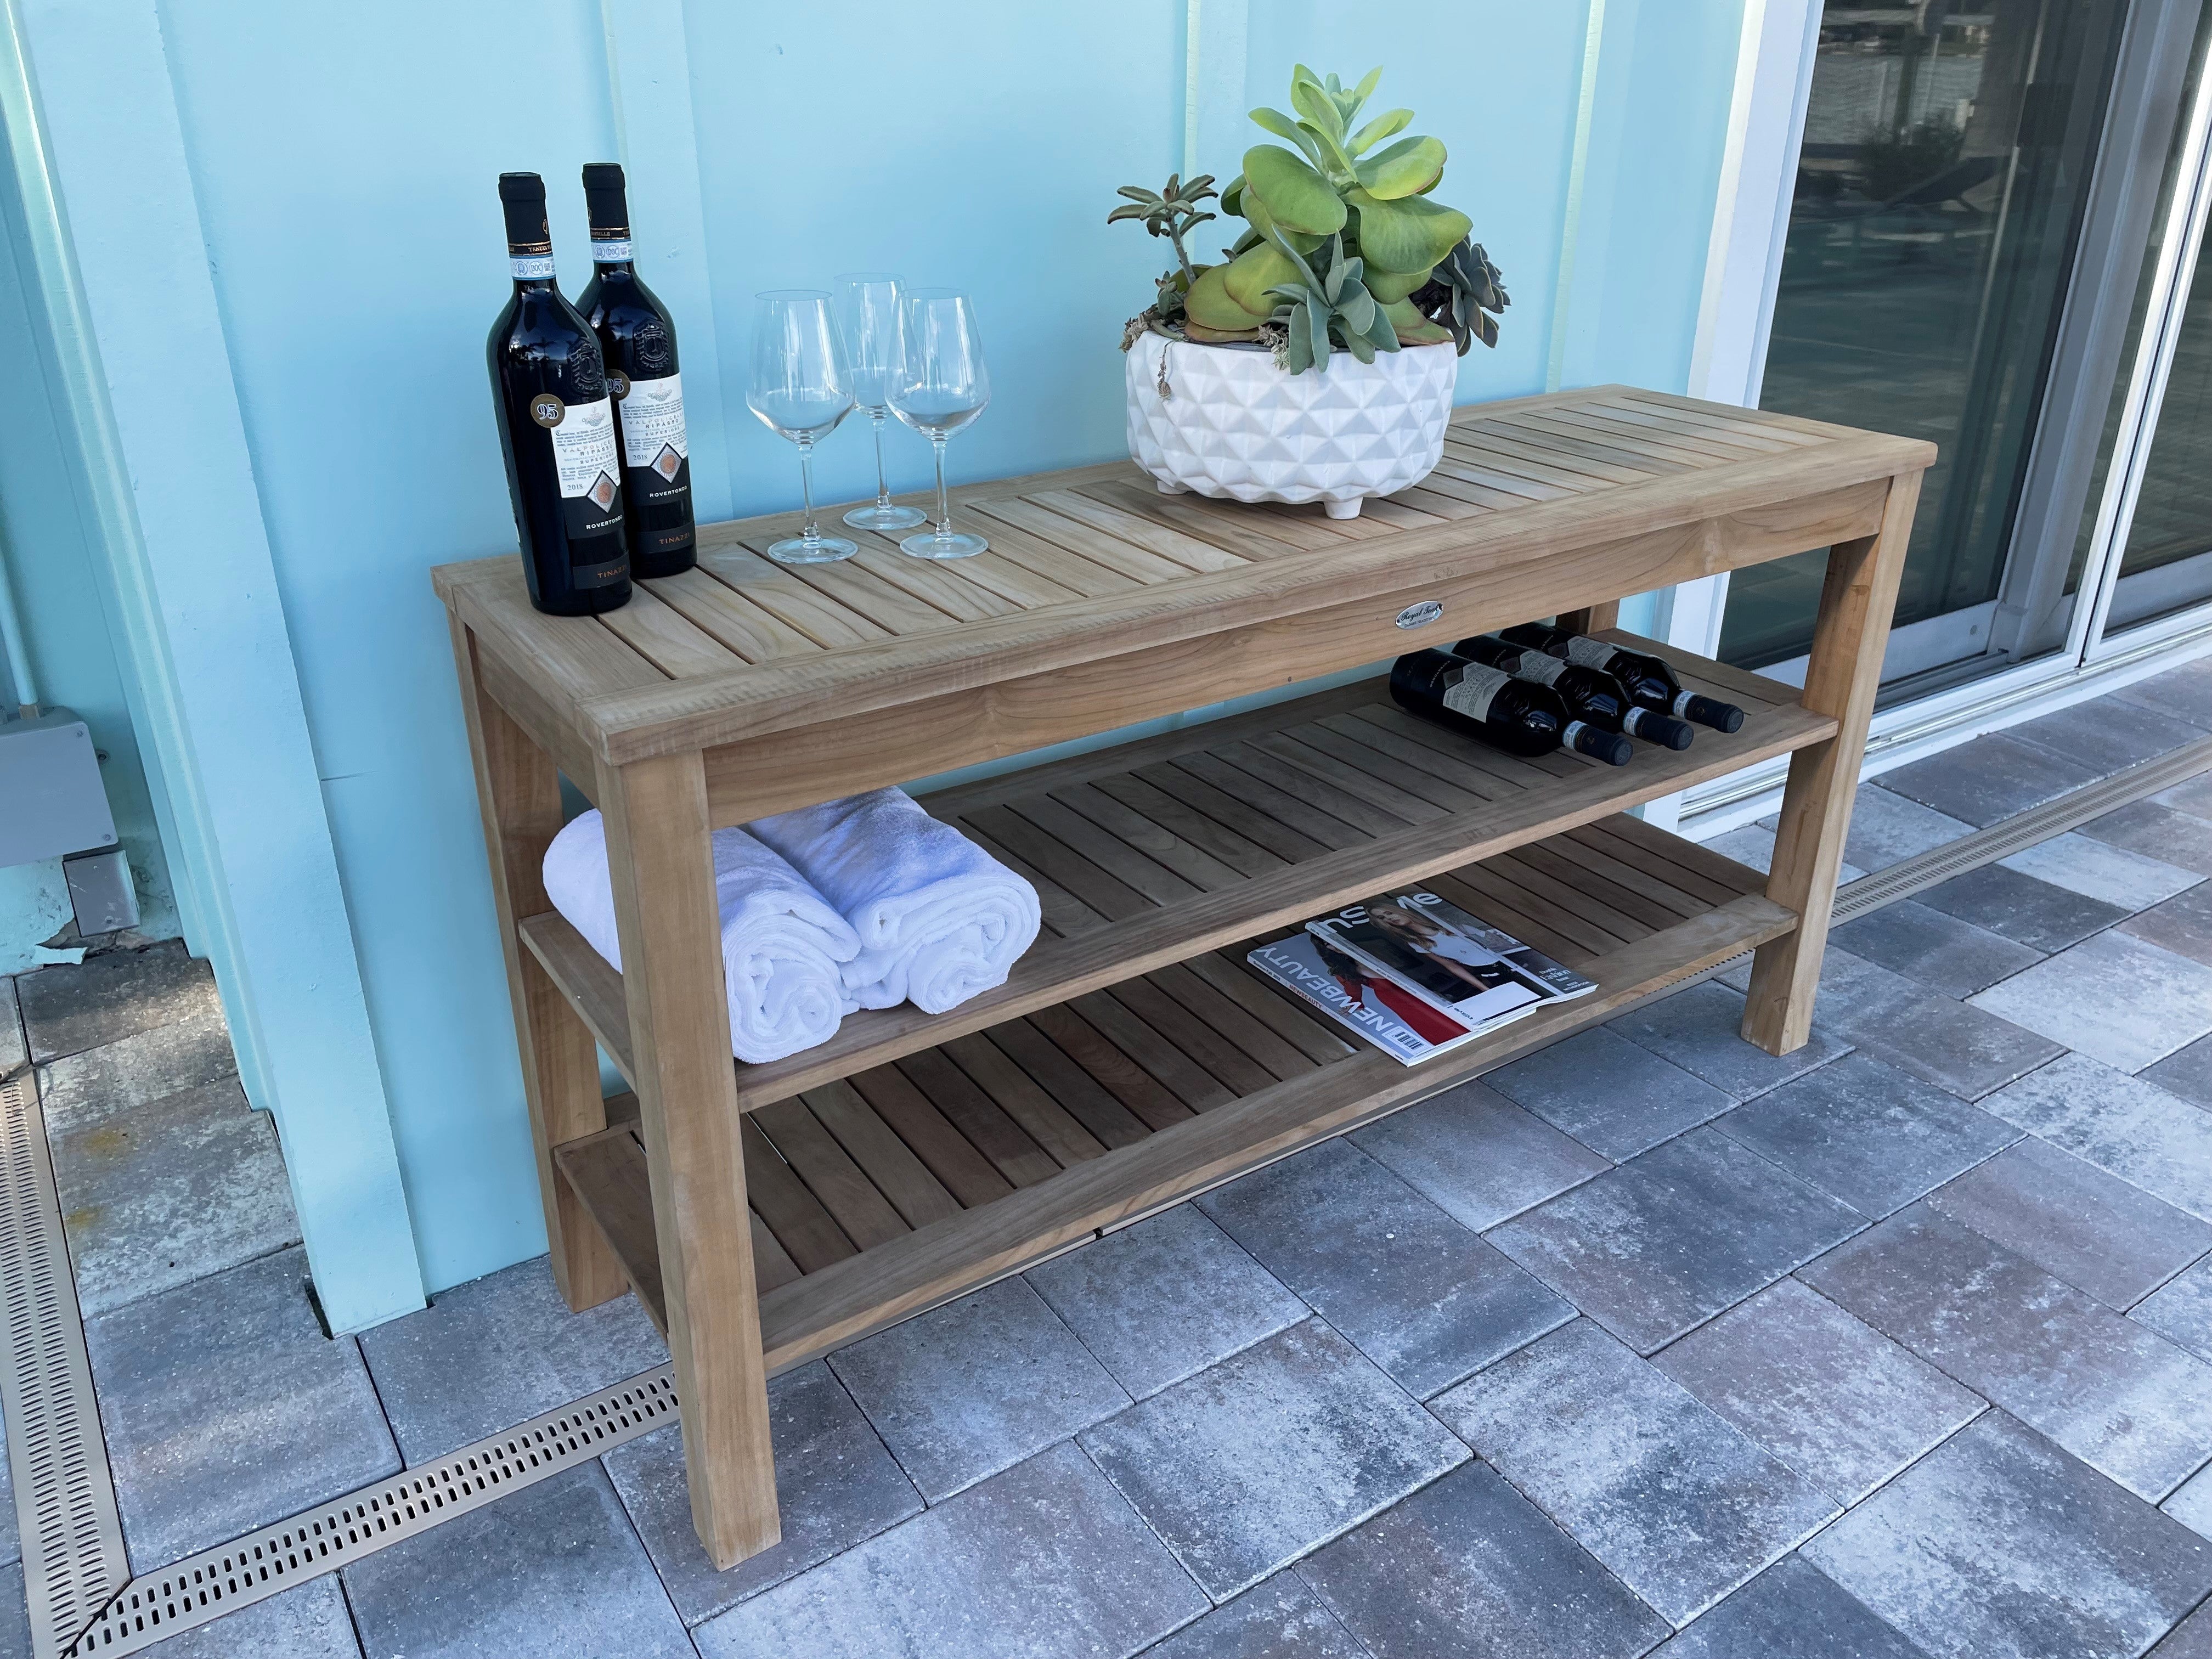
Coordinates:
[226,1407]
[169,1192]
[1477,1156]
[2157,832]
[1888,828]
[2191,1503]
[2076,1223]
[2181,1310]
[1262,1458]
[2184,692]
[2020,907]
[2125,1127]
[1418,1293]
[1615,1096]
[1941,950]
[1752,844]
[2107,734]
[2190,1639]
[1853,992]
[552,1571]
[309,1621]
[14,1048]
[1833,1398]
[2118,1397]
[1163,1298]
[113,995]
[1701,1030]
[2182,925]
[2100,871]
[1866,1134]
[2192,795]
[136,1069]
[14,1614]
[1669,1240]
[2112,998]
[1469,1565]
[835,1485]
[499,1351]
[1043,1561]
[1680,1506]
[1281,1619]
[1998,1545]
[2186,1071]
[1993,777]
[976,1386]
[1962,1050]
[1791,1611]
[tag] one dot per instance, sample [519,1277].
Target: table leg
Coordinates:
[1592,619]
[519,789]
[658,853]
[1841,677]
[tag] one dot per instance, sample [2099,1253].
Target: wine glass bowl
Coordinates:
[868,322]
[801,389]
[939,387]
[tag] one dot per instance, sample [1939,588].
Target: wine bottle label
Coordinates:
[652,425]
[583,448]
[1681,706]
[533,268]
[611,252]
[1589,653]
[1535,665]
[1633,721]
[1476,686]
[1572,737]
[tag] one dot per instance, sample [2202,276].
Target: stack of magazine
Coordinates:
[1415,975]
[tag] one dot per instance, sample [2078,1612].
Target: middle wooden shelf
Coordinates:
[1148,853]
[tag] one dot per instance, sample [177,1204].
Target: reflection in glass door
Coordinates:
[1940,191]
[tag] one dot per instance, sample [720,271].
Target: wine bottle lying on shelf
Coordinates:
[1515,715]
[1590,694]
[1645,678]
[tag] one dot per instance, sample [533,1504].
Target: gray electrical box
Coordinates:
[51,798]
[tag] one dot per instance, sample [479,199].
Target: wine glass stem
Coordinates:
[944,503]
[810,531]
[883,486]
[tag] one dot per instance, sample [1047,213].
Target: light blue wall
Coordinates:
[43,545]
[343,161]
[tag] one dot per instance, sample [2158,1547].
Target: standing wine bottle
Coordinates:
[556,428]
[1511,714]
[1590,694]
[638,341]
[1647,679]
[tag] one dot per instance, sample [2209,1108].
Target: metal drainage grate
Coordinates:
[204,1587]
[73,1555]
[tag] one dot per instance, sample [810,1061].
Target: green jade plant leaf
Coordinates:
[1343,245]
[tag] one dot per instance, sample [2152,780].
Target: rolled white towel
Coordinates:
[783,944]
[938,919]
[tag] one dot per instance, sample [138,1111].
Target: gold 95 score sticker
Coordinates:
[547,410]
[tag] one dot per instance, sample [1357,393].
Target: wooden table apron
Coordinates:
[743,689]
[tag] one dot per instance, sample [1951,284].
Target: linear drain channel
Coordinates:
[72,1546]
[260,1564]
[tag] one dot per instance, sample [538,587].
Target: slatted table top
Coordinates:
[1095,563]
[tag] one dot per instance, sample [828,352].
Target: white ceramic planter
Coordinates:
[1233,425]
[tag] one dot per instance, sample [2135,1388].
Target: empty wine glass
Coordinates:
[939,387]
[868,318]
[801,389]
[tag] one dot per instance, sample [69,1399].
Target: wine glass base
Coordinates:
[797,550]
[885,518]
[931,545]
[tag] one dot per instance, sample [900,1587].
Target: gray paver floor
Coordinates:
[1900,1348]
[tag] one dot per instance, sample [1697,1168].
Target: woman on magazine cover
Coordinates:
[1452,953]
[1386,997]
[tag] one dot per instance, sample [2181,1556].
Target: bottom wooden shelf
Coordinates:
[880,1196]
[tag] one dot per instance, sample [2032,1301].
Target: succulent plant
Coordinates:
[1461,294]
[1370,207]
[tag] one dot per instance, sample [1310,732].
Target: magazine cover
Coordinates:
[1353,994]
[1561,981]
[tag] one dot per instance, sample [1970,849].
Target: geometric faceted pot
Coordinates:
[1234,426]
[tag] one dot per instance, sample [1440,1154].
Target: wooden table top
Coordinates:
[1095,563]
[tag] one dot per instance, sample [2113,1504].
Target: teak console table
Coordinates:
[765,1214]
